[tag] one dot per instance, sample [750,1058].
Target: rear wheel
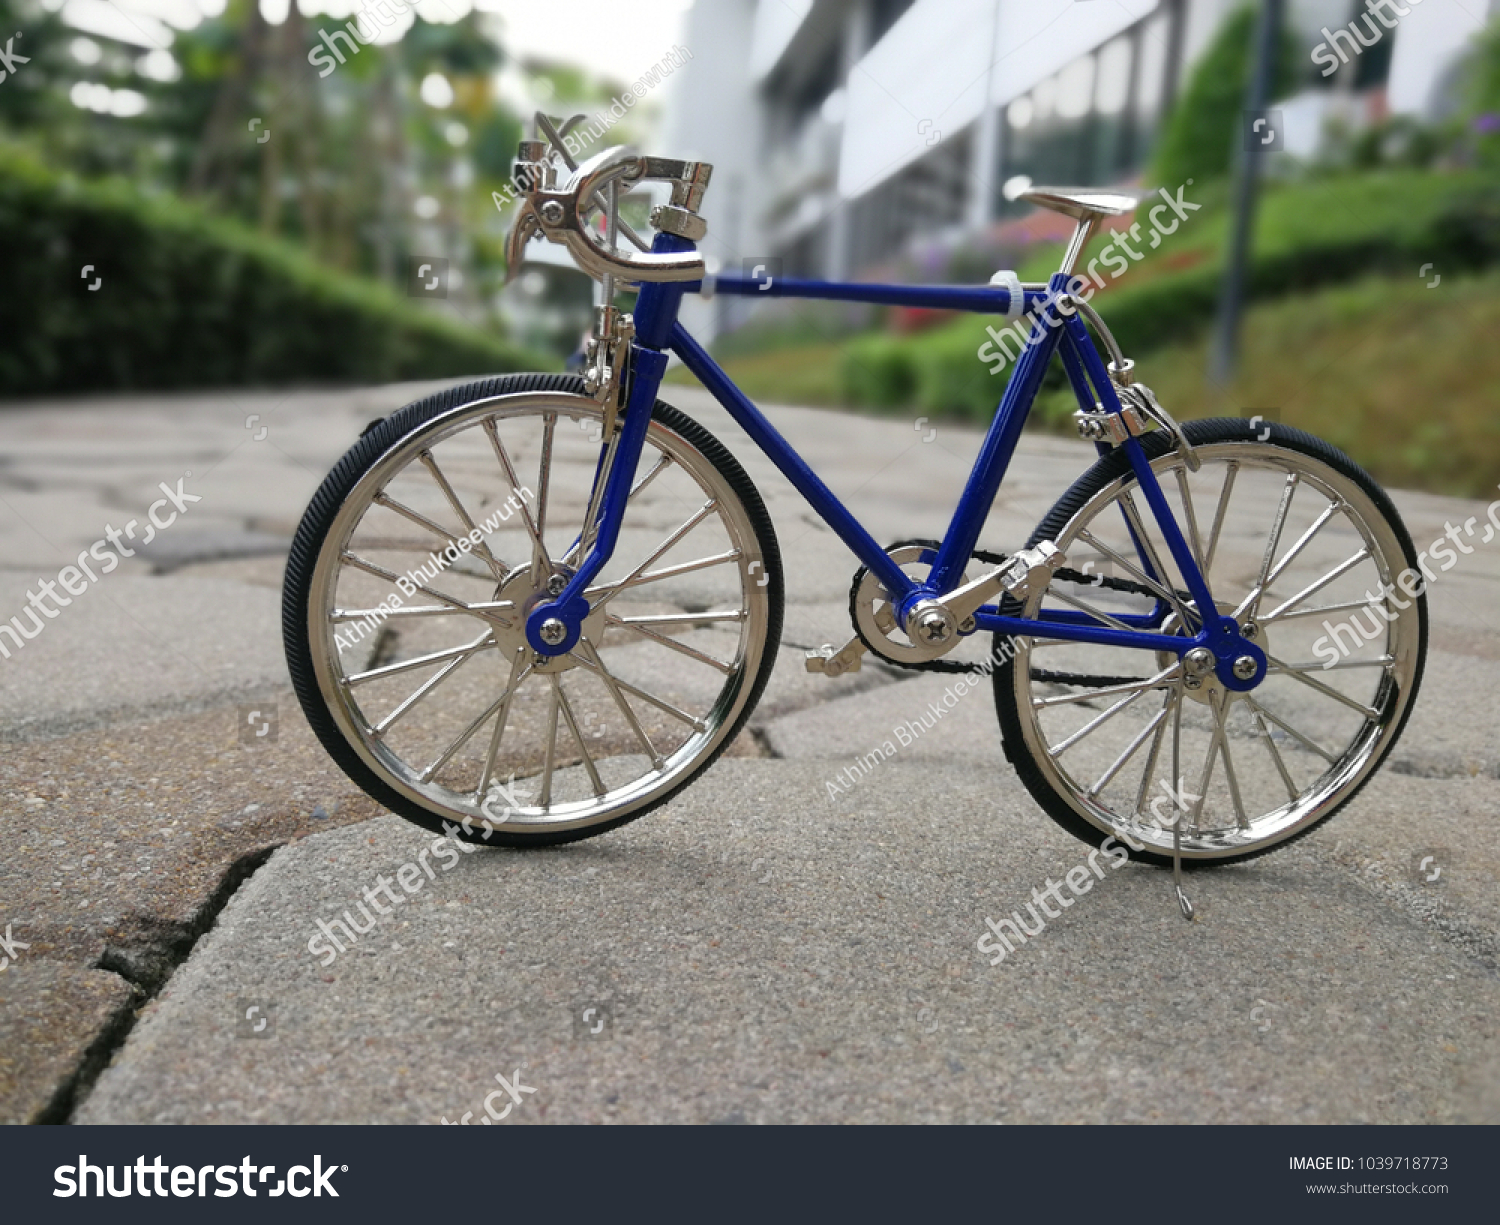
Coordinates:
[405,637]
[1295,539]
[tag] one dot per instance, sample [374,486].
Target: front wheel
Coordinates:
[1305,551]
[414,568]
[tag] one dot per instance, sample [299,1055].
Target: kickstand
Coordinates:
[1182,898]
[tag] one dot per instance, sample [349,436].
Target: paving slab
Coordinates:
[753,951]
[51,1015]
[736,958]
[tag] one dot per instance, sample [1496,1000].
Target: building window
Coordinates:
[1090,122]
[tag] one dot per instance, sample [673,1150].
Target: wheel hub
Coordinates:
[526,595]
[1200,678]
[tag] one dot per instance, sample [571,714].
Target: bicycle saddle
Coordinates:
[1083,203]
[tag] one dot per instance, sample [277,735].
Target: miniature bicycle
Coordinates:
[542,549]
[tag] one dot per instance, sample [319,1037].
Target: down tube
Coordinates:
[780,453]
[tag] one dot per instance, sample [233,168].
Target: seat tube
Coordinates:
[996,452]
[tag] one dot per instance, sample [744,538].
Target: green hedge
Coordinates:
[1307,235]
[188,300]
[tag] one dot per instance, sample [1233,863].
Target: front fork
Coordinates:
[554,627]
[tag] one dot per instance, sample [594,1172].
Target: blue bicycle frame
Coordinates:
[1057,330]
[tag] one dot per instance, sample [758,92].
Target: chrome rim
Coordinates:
[1292,549]
[422,662]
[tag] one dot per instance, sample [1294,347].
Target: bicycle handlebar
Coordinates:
[561,214]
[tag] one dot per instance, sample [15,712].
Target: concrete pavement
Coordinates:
[755,951]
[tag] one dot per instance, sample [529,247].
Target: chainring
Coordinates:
[857,594]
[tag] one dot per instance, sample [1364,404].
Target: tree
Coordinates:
[1198,140]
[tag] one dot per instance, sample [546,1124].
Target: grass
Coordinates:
[800,374]
[1404,379]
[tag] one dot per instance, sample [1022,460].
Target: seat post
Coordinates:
[1081,234]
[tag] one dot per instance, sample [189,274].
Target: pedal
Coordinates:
[1028,570]
[849,658]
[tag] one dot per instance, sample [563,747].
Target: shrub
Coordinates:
[188,300]
[1199,137]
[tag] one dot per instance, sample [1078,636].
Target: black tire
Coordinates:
[1061,805]
[378,440]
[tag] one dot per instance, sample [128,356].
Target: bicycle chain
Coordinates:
[1037,674]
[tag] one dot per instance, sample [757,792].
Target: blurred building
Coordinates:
[844,132]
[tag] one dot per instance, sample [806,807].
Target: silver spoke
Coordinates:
[613,686]
[665,707]
[736,614]
[480,549]
[1260,723]
[1231,470]
[384,499]
[1273,541]
[1254,598]
[479,610]
[1130,751]
[1221,711]
[567,714]
[1099,720]
[665,572]
[1383,661]
[406,665]
[680,647]
[1109,692]
[1168,706]
[1191,515]
[517,664]
[1302,542]
[1322,610]
[1164,593]
[541,564]
[1153,559]
[656,469]
[1342,568]
[482,643]
[1282,669]
[544,473]
[545,800]
[693,521]
[342,615]
[467,734]
[1085,607]
[1292,731]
